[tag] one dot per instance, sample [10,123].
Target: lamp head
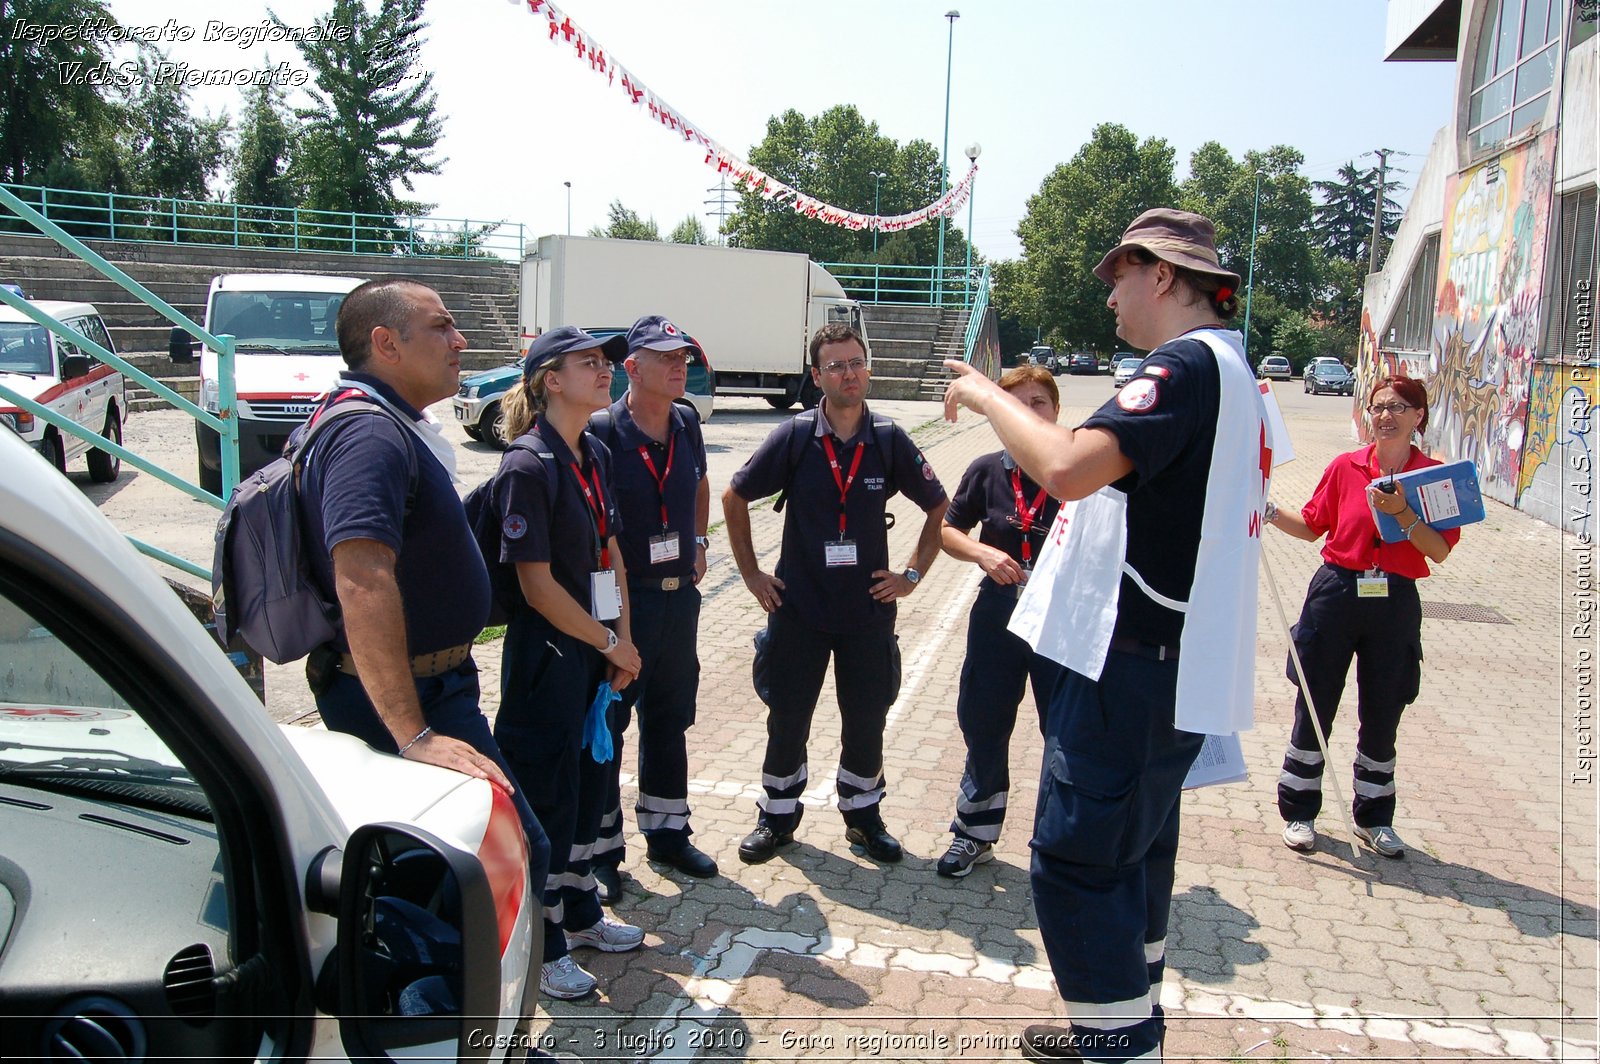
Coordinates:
[973,151]
[952,16]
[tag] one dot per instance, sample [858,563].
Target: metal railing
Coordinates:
[224,422]
[94,215]
[873,282]
[980,307]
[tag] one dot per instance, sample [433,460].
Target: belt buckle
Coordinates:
[671,583]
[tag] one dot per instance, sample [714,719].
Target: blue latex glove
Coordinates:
[596,732]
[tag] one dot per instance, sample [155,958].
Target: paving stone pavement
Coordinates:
[1480,944]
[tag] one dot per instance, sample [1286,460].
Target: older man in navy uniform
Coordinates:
[659,471]
[833,593]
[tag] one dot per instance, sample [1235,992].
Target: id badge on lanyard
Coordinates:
[841,552]
[668,545]
[605,596]
[1374,583]
[665,547]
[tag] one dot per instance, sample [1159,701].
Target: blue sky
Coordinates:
[1030,80]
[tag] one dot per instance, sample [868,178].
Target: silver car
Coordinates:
[1125,368]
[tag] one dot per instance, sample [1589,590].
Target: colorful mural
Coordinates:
[1486,324]
[1557,479]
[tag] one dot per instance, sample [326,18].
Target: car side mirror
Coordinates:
[74,366]
[418,949]
[181,347]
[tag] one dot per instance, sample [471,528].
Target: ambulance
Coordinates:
[184,879]
[286,355]
[56,373]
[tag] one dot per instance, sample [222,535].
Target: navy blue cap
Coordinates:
[566,339]
[655,333]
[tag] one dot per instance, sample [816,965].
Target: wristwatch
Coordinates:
[913,576]
[703,541]
[611,641]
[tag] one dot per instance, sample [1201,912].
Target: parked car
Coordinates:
[1330,376]
[1274,367]
[1081,363]
[1127,365]
[1043,355]
[1305,374]
[185,879]
[57,374]
[477,403]
[1103,366]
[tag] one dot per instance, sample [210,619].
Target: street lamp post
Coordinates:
[973,151]
[876,177]
[569,206]
[936,295]
[1250,278]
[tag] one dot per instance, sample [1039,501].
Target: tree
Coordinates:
[1080,212]
[172,152]
[1015,306]
[1225,191]
[832,157]
[47,116]
[263,164]
[373,123]
[625,224]
[1344,217]
[688,231]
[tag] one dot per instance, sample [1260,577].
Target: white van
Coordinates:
[286,355]
[182,878]
[38,364]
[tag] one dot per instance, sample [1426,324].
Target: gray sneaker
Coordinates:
[1382,839]
[608,935]
[1300,835]
[962,855]
[563,978]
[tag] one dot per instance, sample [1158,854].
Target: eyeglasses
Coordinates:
[839,369]
[1389,408]
[679,357]
[591,364]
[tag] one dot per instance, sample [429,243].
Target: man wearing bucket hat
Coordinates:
[658,460]
[569,629]
[1168,481]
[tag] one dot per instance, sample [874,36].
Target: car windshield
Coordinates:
[1130,363]
[291,323]
[24,348]
[1332,369]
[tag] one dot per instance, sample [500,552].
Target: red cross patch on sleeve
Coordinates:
[1139,395]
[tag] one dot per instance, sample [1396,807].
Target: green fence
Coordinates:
[927,286]
[163,220]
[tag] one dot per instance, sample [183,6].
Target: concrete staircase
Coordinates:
[908,345]
[481,293]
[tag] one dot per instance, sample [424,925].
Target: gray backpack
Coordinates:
[262,588]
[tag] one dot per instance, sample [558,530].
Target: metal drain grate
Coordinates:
[1461,611]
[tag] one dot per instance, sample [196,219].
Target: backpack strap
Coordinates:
[343,405]
[801,426]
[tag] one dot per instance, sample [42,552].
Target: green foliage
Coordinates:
[1296,339]
[688,231]
[50,125]
[171,152]
[1286,263]
[452,241]
[1079,213]
[373,123]
[833,157]
[1015,303]
[623,223]
[262,170]
[1344,217]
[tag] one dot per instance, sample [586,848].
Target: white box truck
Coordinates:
[753,312]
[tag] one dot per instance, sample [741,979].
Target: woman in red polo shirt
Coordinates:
[1363,604]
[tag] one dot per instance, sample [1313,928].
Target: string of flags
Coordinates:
[565,33]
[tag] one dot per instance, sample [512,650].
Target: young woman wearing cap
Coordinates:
[558,526]
[1361,604]
[1012,514]
[1166,638]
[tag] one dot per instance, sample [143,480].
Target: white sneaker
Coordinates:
[1300,835]
[563,978]
[609,935]
[1382,839]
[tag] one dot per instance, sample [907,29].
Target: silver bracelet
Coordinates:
[418,738]
[1407,530]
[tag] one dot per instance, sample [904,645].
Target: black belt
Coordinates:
[1351,574]
[1139,648]
[659,583]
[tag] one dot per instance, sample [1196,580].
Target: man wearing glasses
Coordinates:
[832,593]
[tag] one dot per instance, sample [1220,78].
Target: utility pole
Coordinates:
[1377,208]
[720,201]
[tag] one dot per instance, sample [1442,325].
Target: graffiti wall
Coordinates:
[1557,478]
[1486,324]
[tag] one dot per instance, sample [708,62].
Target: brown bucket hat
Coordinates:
[1179,237]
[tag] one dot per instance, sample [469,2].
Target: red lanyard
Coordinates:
[842,481]
[597,507]
[660,478]
[1025,513]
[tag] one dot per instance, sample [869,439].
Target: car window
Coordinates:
[95,329]
[24,348]
[300,323]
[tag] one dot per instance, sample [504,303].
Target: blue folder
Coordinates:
[1447,496]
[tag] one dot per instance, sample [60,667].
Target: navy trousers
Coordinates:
[666,629]
[994,677]
[450,707]
[866,672]
[547,682]
[1384,636]
[1104,847]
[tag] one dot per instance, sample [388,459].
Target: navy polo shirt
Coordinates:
[640,499]
[987,498]
[355,481]
[836,599]
[541,521]
[1165,421]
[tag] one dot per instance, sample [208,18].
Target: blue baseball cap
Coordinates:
[566,339]
[655,333]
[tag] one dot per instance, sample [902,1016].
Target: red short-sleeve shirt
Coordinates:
[1339,508]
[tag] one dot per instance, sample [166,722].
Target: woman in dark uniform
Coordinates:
[1012,514]
[1362,604]
[558,526]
